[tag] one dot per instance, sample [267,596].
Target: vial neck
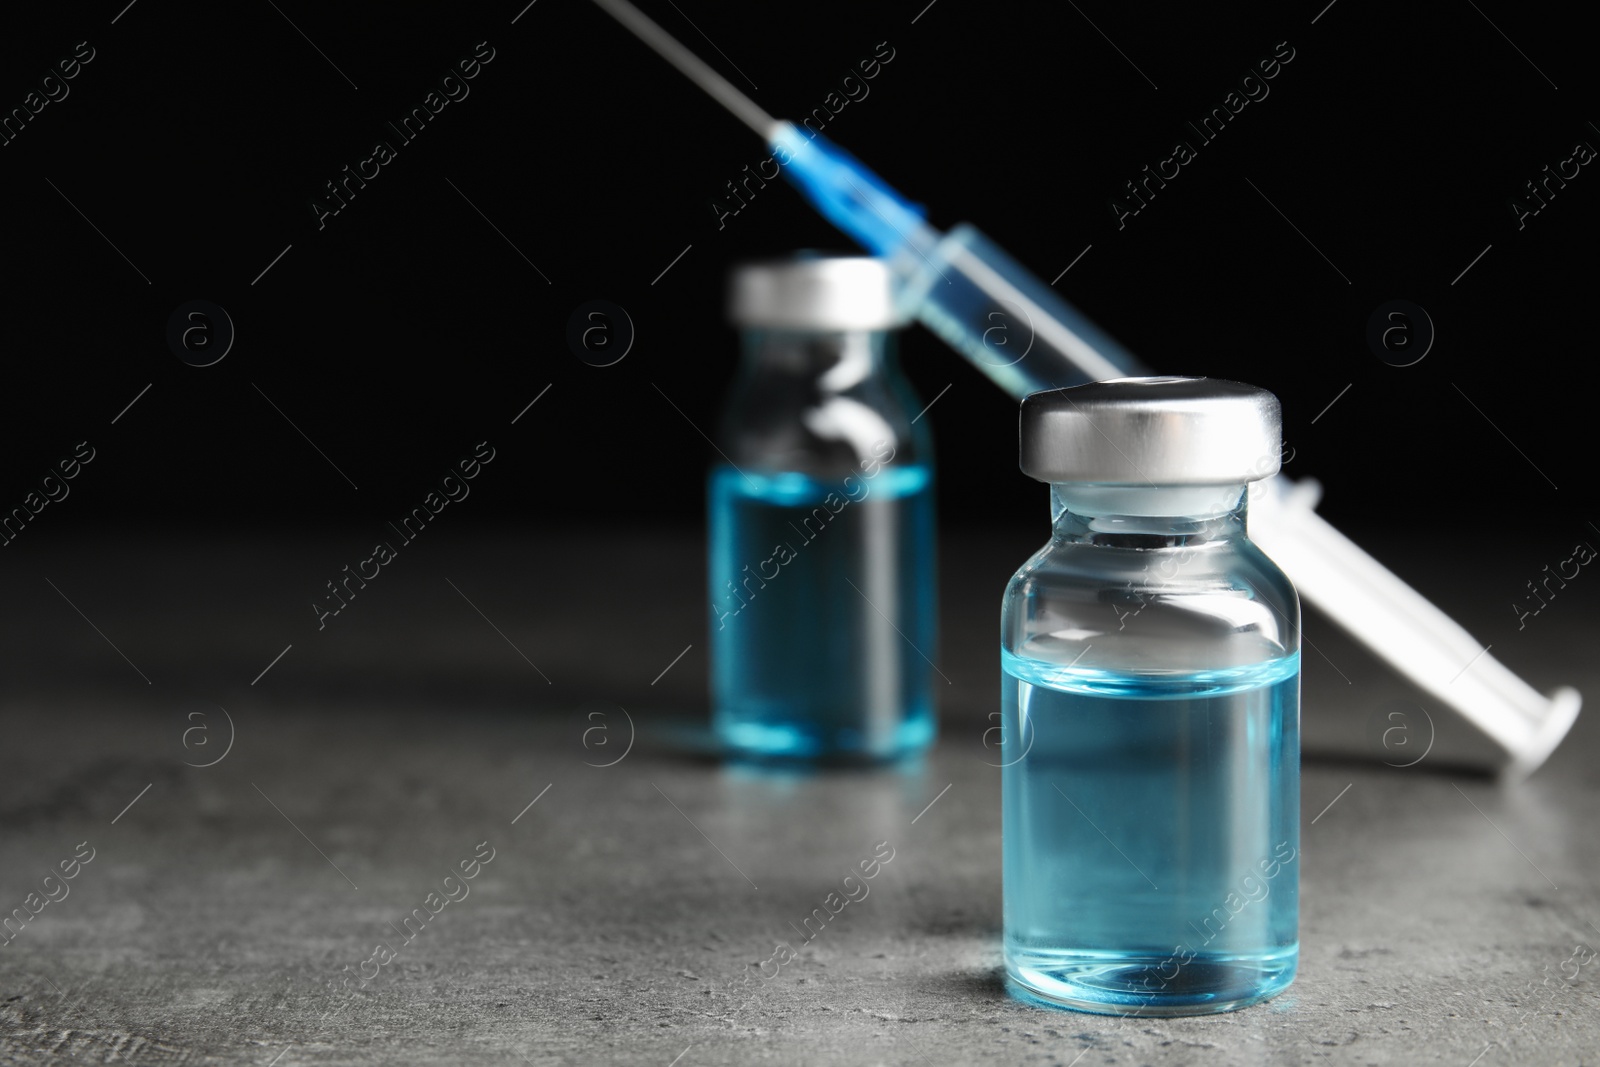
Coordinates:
[835,360]
[1147,516]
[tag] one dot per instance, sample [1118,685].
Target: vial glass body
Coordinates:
[822,595]
[1151,781]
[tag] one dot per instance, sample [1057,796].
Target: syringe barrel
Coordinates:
[1005,321]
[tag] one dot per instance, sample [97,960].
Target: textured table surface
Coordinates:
[624,917]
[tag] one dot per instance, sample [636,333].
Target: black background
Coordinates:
[408,329]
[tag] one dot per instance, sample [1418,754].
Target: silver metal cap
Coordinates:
[813,292]
[1152,432]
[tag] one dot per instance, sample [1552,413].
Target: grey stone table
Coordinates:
[460,710]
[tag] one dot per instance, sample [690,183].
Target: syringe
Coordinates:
[1025,338]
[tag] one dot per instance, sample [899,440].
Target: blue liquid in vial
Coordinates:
[821,613]
[1151,838]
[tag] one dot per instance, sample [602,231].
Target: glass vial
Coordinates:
[1151,708]
[822,595]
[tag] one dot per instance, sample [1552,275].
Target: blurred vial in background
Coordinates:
[822,595]
[1151,708]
